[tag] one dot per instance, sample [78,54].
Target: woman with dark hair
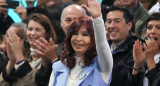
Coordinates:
[86,59]
[146,69]
[35,54]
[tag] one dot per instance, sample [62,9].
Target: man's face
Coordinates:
[117,27]
[68,17]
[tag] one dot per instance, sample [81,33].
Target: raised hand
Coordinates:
[47,50]
[93,8]
[21,11]
[151,49]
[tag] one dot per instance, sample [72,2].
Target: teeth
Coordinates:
[155,38]
[113,32]
[77,44]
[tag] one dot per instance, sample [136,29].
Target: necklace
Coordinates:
[74,79]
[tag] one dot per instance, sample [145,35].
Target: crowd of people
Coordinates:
[81,43]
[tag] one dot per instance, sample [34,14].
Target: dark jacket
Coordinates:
[3,61]
[156,81]
[5,22]
[122,63]
[43,75]
[152,75]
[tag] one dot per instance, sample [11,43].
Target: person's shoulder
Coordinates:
[142,9]
[58,65]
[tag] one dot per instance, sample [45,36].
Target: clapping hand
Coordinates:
[138,55]
[47,50]
[14,47]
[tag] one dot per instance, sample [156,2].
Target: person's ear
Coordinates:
[129,25]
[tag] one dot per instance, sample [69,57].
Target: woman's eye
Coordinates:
[149,27]
[158,27]
[75,33]
[85,34]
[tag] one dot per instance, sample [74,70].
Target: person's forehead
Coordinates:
[128,0]
[154,22]
[12,29]
[115,14]
[72,14]
[74,8]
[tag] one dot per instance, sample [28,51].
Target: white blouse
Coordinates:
[105,58]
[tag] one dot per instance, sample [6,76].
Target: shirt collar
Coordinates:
[112,46]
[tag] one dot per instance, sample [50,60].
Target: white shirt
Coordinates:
[155,8]
[105,58]
[74,73]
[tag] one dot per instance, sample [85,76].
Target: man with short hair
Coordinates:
[20,30]
[119,22]
[69,14]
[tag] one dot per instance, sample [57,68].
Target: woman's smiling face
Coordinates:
[80,41]
[34,31]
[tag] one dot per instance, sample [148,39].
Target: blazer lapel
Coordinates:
[62,76]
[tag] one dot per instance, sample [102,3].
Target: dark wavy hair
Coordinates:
[67,55]
[154,16]
[46,24]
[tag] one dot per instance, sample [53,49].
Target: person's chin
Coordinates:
[31,43]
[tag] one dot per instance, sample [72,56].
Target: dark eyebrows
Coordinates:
[114,19]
